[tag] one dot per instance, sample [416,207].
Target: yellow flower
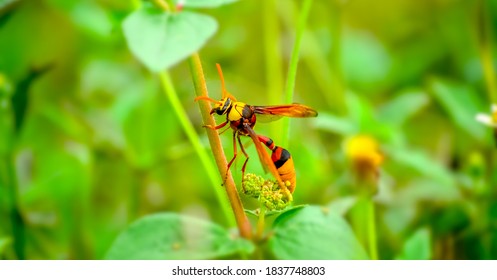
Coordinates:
[364,154]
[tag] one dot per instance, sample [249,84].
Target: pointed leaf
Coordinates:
[402,107]
[335,124]
[314,233]
[422,163]
[161,39]
[171,236]
[342,205]
[461,103]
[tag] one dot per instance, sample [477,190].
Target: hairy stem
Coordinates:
[217,149]
[195,140]
[168,5]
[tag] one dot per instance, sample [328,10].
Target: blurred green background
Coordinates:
[89,141]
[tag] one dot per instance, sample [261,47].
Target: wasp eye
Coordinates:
[223,107]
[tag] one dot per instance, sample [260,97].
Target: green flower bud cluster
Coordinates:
[252,185]
[267,191]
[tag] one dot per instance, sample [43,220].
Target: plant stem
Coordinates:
[292,68]
[336,58]
[485,38]
[163,5]
[8,181]
[485,41]
[195,140]
[324,76]
[9,196]
[260,223]
[217,149]
[190,131]
[273,61]
[294,58]
[371,229]
[136,4]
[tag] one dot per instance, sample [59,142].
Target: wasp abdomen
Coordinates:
[280,156]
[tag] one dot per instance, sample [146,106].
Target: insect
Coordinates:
[282,160]
[242,118]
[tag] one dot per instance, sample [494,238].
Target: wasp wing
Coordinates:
[294,110]
[268,118]
[264,157]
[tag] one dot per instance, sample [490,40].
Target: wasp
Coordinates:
[282,160]
[242,118]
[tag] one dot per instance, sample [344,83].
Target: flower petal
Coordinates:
[486,119]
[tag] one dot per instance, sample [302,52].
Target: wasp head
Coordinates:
[222,106]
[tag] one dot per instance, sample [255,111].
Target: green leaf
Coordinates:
[461,103]
[364,67]
[6,117]
[256,212]
[204,3]
[171,236]
[4,243]
[417,246]
[161,39]
[401,108]
[427,190]
[100,23]
[335,124]
[146,140]
[314,233]
[342,205]
[4,3]
[359,109]
[422,163]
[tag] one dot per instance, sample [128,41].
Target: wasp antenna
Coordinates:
[221,77]
[231,97]
[203,97]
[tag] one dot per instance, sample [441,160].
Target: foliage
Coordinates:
[171,236]
[332,238]
[417,246]
[103,154]
[149,32]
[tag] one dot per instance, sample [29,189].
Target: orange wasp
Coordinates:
[242,118]
[282,160]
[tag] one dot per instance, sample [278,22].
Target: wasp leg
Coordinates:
[246,160]
[234,156]
[224,130]
[217,126]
